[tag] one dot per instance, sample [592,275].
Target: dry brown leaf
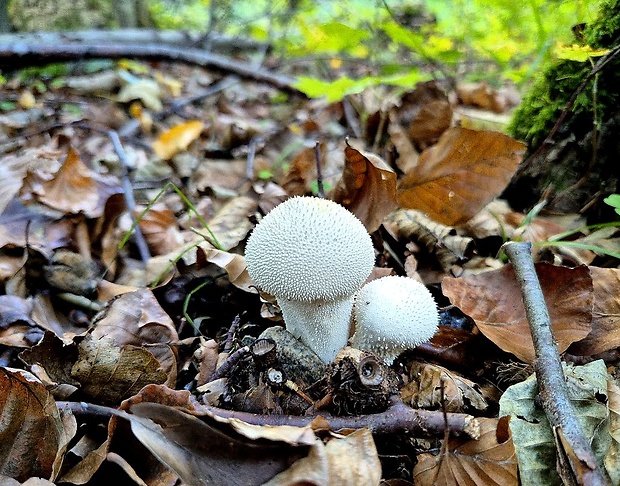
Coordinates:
[367,188]
[177,139]
[459,394]
[493,299]
[489,461]
[91,460]
[408,155]
[605,314]
[108,373]
[72,189]
[235,268]
[351,460]
[231,224]
[439,240]
[34,433]
[160,228]
[426,113]
[482,96]
[297,181]
[462,173]
[136,318]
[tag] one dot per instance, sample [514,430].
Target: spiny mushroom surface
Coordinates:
[312,255]
[393,314]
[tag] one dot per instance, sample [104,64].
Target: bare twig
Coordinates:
[319,173]
[549,374]
[231,361]
[130,201]
[398,418]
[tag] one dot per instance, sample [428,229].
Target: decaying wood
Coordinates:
[574,448]
[216,42]
[18,55]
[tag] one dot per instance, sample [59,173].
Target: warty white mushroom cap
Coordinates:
[393,314]
[308,249]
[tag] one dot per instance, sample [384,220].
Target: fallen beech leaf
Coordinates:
[493,299]
[71,190]
[459,175]
[367,188]
[426,113]
[203,454]
[161,229]
[177,139]
[231,224]
[297,181]
[490,460]
[351,460]
[34,433]
[108,373]
[605,314]
[408,155]
[234,265]
[136,318]
[459,394]
[438,239]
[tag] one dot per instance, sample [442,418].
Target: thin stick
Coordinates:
[549,374]
[143,248]
[319,174]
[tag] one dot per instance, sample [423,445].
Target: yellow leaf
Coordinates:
[177,139]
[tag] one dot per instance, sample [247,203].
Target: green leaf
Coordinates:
[578,53]
[614,201]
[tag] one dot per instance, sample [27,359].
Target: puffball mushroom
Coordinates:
[312,255]
[393,314]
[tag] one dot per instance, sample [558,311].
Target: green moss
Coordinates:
[548,97]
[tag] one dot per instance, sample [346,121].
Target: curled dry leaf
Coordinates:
[136,318]
[459,175]
[605,314]
[161,229]
[71,190]
[34,433]
[367,188]
[351,460]
[442,241]
[493,299]
[491,460]
[177,139]
[460,395]
[108,373]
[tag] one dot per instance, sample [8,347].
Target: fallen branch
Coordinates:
[398,418]
[17,55]
[574,450]
[222,44]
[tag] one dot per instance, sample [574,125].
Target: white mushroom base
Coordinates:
[321,325]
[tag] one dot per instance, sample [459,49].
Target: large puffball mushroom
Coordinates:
[312,255]
[393,314]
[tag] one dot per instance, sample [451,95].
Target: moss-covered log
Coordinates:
[579,165]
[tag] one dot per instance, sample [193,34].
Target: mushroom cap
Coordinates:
[393,314]
[309,249]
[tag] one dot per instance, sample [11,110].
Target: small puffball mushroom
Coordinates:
[312,255]
[393,314]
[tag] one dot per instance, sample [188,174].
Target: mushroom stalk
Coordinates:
[323,325]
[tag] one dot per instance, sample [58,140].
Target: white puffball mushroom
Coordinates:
[312,254]
[393,314]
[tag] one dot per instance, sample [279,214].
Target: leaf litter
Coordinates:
[93,325]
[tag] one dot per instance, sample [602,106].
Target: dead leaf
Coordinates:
[108,373]
[136,318]
[408,155]
[177,139]
[426,113]
[482,96]
[145,90]
[34,433]
[234,265]
[493,299]
[71,190]
[367,188]
[460,395]
[459,175]
[297,181]
[231,224]
[160,228]
[605,314]
[491,460]
[350,460]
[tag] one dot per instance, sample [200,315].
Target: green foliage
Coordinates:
[546,100]
[614,201]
